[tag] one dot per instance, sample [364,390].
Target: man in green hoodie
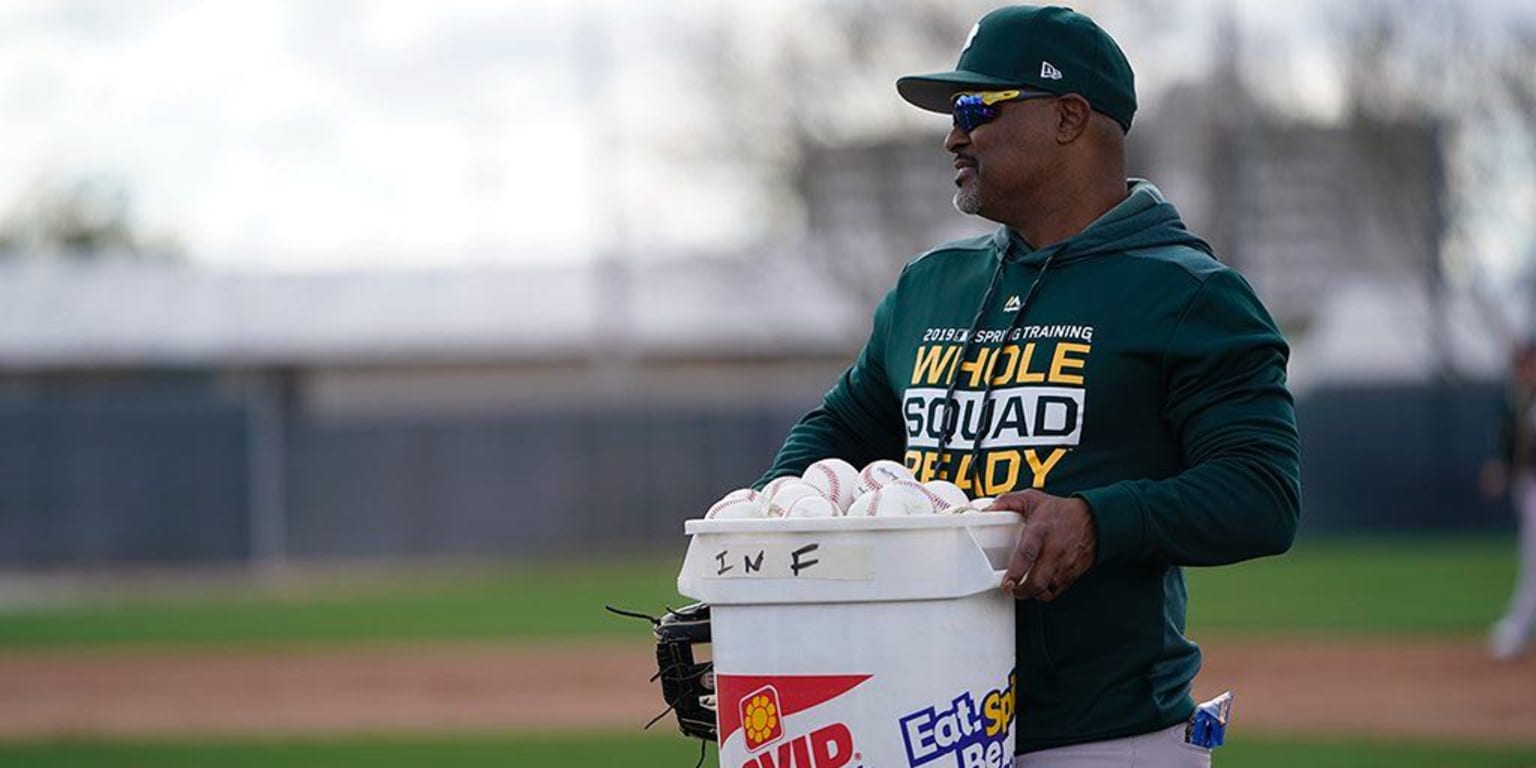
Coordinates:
[1094,368]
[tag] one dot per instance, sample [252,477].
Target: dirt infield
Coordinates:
[1426,689]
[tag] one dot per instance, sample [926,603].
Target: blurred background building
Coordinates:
[297,281]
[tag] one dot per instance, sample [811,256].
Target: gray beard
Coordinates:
[968,200]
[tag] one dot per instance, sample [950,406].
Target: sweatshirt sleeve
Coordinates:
[1226,400]
[859,419]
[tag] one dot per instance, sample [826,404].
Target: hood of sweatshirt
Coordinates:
[1144,219]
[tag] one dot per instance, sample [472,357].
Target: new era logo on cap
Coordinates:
[1049,72]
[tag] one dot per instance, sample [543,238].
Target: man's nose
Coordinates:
[956,139]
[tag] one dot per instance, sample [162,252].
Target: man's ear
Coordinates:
[1072,116]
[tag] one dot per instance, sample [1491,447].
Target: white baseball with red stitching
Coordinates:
[737,510]
[861,506]
[766,497]
[787,494]
[812,506]
[740,494]
[945,494]
[880,473]
[836,479]
[900,498]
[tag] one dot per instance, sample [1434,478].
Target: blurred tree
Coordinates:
[1470,74]
[784,107]
[805,113]
[85,219]
[778,102]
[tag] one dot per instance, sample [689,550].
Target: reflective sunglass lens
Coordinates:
[971,110]
[969,117]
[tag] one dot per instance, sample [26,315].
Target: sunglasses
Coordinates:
[977,108]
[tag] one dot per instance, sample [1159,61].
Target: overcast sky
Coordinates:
[293,134]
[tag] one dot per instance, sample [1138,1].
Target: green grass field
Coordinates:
[540,601]
[660,751]
[1408,585]
[1396,585]
[1413,585]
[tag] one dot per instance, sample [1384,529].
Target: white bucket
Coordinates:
[859,643]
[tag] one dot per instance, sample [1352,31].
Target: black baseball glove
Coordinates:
[687,685]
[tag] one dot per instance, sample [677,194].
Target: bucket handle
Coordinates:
[997,573]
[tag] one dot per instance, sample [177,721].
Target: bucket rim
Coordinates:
[862,524]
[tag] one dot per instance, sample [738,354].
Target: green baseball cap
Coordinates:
[1047,48]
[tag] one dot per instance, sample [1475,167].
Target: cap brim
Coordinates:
[936,92]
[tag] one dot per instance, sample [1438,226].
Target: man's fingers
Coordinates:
[1040,578]
[1024,556]
[1054,549]
[1054,572]
[1018,501]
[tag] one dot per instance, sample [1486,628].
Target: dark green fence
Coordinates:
[162,474]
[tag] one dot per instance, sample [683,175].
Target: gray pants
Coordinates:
[1512,634]
[1158,749]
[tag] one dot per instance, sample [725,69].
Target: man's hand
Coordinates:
[1057,546]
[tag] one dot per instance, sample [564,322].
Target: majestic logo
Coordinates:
[1013,304]
[973,734]
[1049,71]
[762,707]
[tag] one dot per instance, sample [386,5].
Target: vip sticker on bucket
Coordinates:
[761,707]
[761,716]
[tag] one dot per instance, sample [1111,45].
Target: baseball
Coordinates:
[982,503]
[835,479]
[899,499]
[860,506]
[787,494]
[945,494]
[740,494]
[812,506]
[766,496]
[959,509]
[880,473]
[740,509]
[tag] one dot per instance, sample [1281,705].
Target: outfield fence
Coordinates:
[189,472]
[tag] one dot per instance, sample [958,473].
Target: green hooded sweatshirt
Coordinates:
[1124,366]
